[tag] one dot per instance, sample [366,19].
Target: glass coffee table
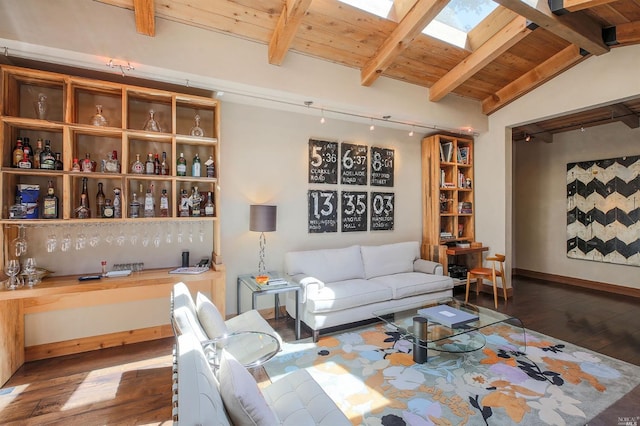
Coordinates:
[427,334]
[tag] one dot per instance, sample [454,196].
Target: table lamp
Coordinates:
[262,218]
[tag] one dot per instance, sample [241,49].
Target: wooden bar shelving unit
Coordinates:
[71,103]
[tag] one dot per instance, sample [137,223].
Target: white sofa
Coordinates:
[345,285]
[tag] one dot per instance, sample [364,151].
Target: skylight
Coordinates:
[451,25]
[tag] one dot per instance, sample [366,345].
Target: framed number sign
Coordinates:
[382,211]
[382,166]
[354,164]
[354,211]
[323,161]
[323,211]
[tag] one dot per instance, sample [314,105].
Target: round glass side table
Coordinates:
[250,348]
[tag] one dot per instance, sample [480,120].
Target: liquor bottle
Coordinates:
[149,165]
[36,154]
[87,164]
[156,165]
[108,211]
[18,210]
[76,165]
[137,167]
[58,163]
[184,204]
[50,203]
[100,201]
[47,160]
[164,204]
[149,203]
[209,208]
[196,199]
[18,153]
[84,211]
[110,164]
[164,165]
[181,166]
[117,203]
[134,206]
[211,167]
[195,167]
[25,162]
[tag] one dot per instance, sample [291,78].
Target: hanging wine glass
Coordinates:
[52,242]
[65,245]
[19,244]
[12,268]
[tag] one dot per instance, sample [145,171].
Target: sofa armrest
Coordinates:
[308,284]
[428,267]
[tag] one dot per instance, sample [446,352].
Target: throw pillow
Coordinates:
[210,317]
[242,398]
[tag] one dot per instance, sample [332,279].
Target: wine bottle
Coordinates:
[181,166]
[100,201]
[209,208]
[195,167]
[84,211]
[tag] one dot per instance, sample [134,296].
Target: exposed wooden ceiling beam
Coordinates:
[575,5]
[628,33]
[423,12]
[502,41]
[144,11]
[578,29]
[622,113]
[489,26]
[558,63]
[400,9]
[288,24]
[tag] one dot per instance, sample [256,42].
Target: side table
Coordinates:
[249,281]
[250,348]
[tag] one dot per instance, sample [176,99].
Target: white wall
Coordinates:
[540,198]
[595,81]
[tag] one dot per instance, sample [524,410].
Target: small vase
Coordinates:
[98,119]
[151,125]
[196,130]
[40,106]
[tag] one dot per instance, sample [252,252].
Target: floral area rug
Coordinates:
[369,372]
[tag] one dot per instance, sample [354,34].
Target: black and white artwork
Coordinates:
[354,211]
[382,166]
[323,161]
[382,211]
[354,164]
[603,210]
[323,211]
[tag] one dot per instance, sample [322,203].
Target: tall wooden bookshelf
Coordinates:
[447,187]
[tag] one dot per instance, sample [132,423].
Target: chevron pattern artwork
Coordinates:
[603,210]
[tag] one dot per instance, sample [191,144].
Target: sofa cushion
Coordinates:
[413,283]
[243,399]
[184,312]
[327,265]
[298,400]
[347,294]
[210,317]
[199,401]
[388,259]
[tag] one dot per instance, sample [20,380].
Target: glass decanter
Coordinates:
[40,106]
[196,130]
[98,119]
[151,125]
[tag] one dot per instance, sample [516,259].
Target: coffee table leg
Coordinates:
[420,340]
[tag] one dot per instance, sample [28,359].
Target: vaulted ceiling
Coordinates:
[512,51]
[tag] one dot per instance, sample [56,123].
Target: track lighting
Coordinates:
[411,132]
[527,138]
[372,127]
[322,120]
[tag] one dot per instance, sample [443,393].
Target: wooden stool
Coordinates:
[481,274]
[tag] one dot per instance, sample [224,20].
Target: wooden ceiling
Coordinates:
[514,50]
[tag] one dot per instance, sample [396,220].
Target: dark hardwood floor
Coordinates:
[131,385]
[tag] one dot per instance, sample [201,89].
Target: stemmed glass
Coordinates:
[19,243]
[52,242]
[12,269]
[30,270]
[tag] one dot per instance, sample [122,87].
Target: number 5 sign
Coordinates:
[323,161]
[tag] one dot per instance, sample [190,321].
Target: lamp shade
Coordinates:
[262,218]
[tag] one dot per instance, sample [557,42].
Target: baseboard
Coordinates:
[68,347]
[578,282]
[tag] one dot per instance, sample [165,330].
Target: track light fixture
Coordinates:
[411,132]
[123,67]
[527,138]
[372,127]
[322,120]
